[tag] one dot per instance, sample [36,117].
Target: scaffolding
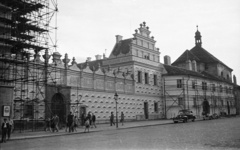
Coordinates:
[28,29]
[190,92]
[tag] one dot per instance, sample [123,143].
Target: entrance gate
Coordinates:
[58,107]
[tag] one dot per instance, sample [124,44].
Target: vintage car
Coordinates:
[183,116]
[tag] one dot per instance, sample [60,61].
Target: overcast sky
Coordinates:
[88,27]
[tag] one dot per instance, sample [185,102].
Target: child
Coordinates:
[87,125]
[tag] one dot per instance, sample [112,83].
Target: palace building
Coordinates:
[37,83]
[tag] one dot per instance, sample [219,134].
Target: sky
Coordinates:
[88,27]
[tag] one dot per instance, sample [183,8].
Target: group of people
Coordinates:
[112,122]
[52,124]
[7,128]
[72,123]
[88,121]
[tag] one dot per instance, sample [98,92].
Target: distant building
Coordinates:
[197,76]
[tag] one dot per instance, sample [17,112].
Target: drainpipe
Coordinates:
[187,91]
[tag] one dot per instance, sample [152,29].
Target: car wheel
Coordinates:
[175,122]
[193,120]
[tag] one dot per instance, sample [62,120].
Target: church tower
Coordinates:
[198,38]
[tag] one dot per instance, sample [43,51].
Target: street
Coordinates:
[210,134]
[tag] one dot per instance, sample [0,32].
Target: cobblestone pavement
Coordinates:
[219,134]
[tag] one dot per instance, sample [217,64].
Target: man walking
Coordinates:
[10,129]
[5,127]
[122,118]
[70,122]
[112,119]
[94,120]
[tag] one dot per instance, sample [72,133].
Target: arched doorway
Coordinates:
[206,107]
[58,107]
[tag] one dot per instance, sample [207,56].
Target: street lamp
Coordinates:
[116,99]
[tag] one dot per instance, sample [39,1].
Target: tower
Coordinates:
[198,38]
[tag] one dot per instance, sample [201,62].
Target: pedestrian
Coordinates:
[94,120]
[122,118]
[70,122]
[112,119]
[53,124]
[83,117]
[10,129]
[56,122]
[75,123]
[48,125]
[90,118]
[5,127]
[87,124]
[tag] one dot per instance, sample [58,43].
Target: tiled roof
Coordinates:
[199,54]
[173,70]
[187,55]
[122,47]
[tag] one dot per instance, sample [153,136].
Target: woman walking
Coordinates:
[94,121]
[75,123]
[87,124]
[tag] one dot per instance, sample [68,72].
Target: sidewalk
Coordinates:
[100,127]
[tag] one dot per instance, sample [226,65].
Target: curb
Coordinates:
[61,134]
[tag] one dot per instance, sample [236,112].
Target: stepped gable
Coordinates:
[187,55]
[123,47]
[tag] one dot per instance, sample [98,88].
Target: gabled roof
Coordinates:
[123,47]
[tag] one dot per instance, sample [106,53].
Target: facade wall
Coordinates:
[192,98]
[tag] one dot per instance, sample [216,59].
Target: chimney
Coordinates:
[167,60]
[188,65]
[194,65]
[98,57]
[104,56]
[118,38]
[89,59]
[234,80]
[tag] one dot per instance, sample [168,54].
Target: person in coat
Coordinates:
[5,128]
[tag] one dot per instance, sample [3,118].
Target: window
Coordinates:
[220,88]
[154,79]
[194,101]
[226,88]
[28,111]
[139,78]
[180,101]
[194,84]
[222,103]
[204,85]
[213,88]
[214,101]
[146,78]
[155,107]
[179,83]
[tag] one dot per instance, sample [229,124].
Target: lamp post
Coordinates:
[116,99]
